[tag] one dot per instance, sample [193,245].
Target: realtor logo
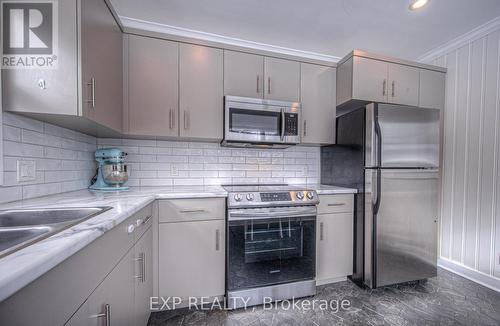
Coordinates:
[29,34]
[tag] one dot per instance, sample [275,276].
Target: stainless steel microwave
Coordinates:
[252,122]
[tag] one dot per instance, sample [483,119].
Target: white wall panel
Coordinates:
[470,190]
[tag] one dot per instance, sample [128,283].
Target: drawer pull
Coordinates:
[321,227]
[339,204]
[106,314]
[193,211]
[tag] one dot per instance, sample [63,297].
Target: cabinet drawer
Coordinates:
[182,210]
[335,204]
[143,220]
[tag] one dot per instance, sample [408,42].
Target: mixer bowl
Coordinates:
[115,174]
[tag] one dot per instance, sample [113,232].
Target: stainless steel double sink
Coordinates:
[22,227]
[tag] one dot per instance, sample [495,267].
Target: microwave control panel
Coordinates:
[291,124]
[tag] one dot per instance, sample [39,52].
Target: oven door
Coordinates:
[254,123]
[269,246]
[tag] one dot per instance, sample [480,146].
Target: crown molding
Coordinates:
[461,40]
[134,25]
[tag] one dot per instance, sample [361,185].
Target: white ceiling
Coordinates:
[330,27]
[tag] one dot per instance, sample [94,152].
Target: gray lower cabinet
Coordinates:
[243,74]
[201,91]
[317,91]
[152,86]
[84,91]
[112,302]
[334,238]
[191,248]
[143,289]
[111,275]
[281,79]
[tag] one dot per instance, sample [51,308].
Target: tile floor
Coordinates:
[447,299]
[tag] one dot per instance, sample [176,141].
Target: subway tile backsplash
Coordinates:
[167,163]
[65,161]
[64,158]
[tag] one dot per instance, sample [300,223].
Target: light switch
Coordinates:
[26,170]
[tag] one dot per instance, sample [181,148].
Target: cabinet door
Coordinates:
[153,86]
[369,80]
[20,87]
[102,65]
[117,291]
[403,84]
[281,79]
[143,277]
[191,259]
[243,74]
[201,91]
[317,90]
[334,243]
[432,89]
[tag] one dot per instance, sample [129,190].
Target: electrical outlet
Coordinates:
[26,170]
[174,171]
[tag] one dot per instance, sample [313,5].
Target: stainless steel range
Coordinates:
[271,234]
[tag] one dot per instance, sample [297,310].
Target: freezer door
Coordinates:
[408,136]
[406,225]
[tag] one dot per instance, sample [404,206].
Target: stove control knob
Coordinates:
[238,197]
[310,195]
[250,197]
[299,195]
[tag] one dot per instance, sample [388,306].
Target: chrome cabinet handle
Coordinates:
[106,314]
[384,86]
[193,211]
[341,204]
[258,79]
[171,121]
[141,259]
[217,240]
[321,227]
[143,268]
[186,119]
[92,92]
[305,127]
[268,85]
[393,88]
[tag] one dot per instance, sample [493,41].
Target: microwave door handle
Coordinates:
[282,124]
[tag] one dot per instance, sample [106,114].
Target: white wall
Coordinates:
[470,208]
[166,163]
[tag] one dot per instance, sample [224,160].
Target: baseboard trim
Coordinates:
[330,280]
[470,274]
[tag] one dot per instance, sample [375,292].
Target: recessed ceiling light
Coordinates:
[417,4]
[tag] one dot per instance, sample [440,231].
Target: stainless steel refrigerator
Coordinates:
[390,153]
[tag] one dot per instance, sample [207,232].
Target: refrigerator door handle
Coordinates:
[378,189]
[378,140]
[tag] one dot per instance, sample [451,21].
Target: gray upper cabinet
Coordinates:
[317,89]
[102,66]
[201,92]
[281,79]
[152,89]
[369,80]
[432,89]
[90,41]
[243,74]
[403,84]
[21,92]
[364,78]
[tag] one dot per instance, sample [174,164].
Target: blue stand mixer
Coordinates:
[112,173]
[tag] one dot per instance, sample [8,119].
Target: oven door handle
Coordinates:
[270,213]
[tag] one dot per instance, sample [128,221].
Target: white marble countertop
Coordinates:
[25,265]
